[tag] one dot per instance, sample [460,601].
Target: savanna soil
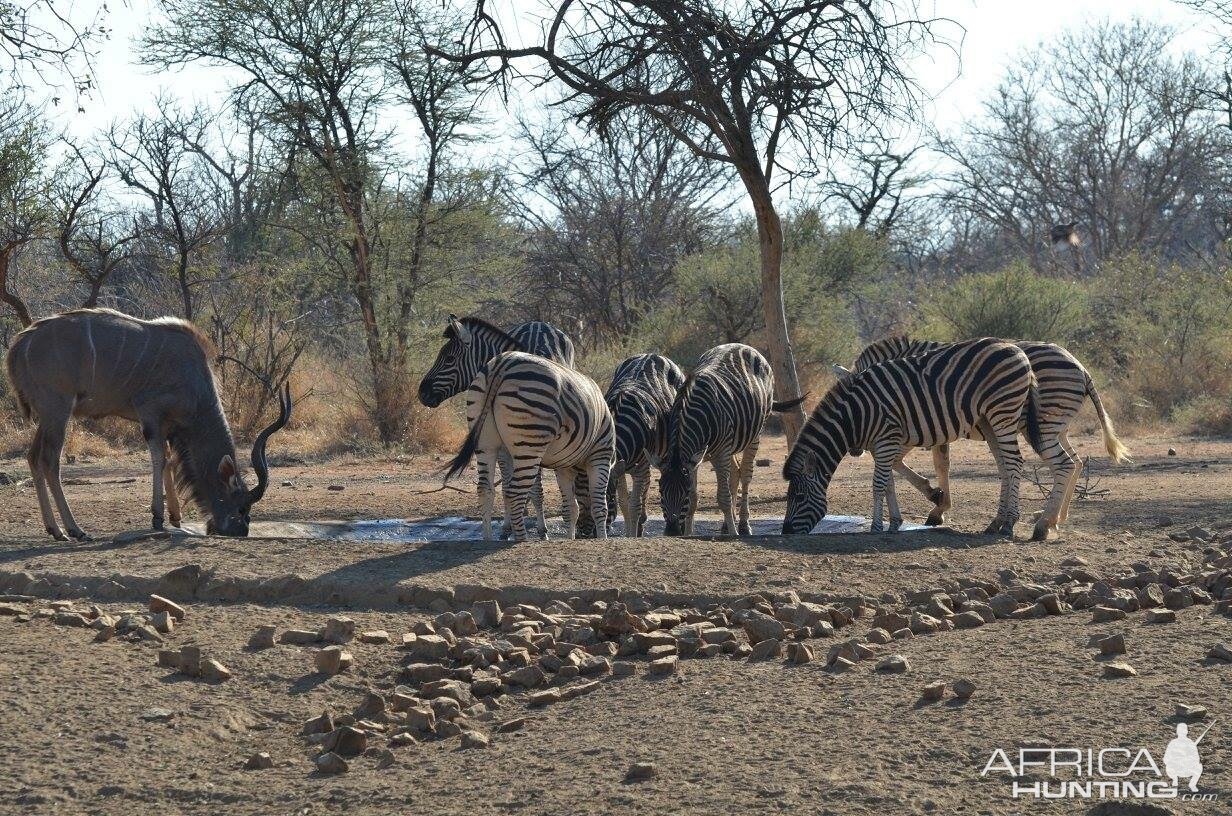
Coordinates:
[726,735]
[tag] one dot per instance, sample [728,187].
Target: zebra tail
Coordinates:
[1116,450]
[1034,435]
[471,444]
[787,405]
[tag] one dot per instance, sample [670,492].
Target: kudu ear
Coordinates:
[463,334]
[227,471]
[840,373]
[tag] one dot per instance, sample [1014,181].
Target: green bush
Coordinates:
[1015,303]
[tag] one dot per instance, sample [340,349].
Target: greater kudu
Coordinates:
[99,362]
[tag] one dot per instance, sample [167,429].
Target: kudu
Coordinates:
[99,363]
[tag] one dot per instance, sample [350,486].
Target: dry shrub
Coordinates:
[1205,416]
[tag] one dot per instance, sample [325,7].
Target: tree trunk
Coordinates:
[12,298]
[778,341]
[185,290]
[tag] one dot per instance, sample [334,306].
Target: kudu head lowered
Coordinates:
[226,497]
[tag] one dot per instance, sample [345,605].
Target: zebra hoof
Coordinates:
[994,528]
[936,496]
[745,529]
[895,524]
[1040,533]
[934,520]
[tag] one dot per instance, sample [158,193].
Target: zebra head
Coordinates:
[806,493]
[469,344]
[677,494]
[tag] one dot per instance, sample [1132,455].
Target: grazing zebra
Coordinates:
[544,415]
[640,398]
[911,402]
[1064,384]
[470,343]
[717,414]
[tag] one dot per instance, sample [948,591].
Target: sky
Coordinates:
[996,32]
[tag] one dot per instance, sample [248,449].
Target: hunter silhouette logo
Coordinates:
[1105,773]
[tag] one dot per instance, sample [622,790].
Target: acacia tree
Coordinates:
[23,189]
[765,86]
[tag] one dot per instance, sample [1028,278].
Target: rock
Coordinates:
[968,620]
[336,488]
[762,461]
[483,686]
[902,634]
[421,718]
[641,771]
[526,677]
[424,672]
[331,763]
[158,715]
[374,637]
[402,739]
[1106,614]
[1074,561]
[1160,616]
[663,666]
[1220,652]
[163,623]
[373,705]
[878,635]
[299,637]
[169,659]
[1115,670]
[332,660]
[1113,645]
[338,630]
[841,664]
[545,697]
[446,729]
[596,665]
[190,660]
[799,653]
[346,741]
[1171,452]
[623,668]
[893,664]
[963,689]
[1052,603]
[759,626]
[487,614]
[146,632]
[384,757]
[73,619]
[475,739]
[451,689]
[1177,599]
[214,672]
[318,725]
[160,604]
[1199,533]
[934,691]
[263,638]
[1190,713]
[766,649]
[259,762]
[433,647]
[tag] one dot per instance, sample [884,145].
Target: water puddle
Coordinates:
[458,528]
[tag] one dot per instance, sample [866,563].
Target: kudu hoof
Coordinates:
[934,520]
[79,535]
[936,496]
[895,525]
[56,533]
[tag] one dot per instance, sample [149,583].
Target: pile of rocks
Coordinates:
[150,626]
[191,662]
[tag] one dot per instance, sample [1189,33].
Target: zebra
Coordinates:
[1064,384]
[909,402]
[640,398]
[544,415]
[718,413]
[469,344]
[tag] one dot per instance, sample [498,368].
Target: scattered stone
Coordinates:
[526,677]
[1172,451]
[963,689]
[475,739]
[338,630]
[190,660]
[799,653]
[641,771]
[763,650]
[1189,713]
[374,637]
[264,637]
[934,691]
[160,604]
[1117,670]
[158,715]
[968,620]
[545,697]
[516,724]
[762,461]
[1160,616]
[213,671]
[841,664]
[450,689]
[331,763]
[319,725]
[759,626]
[1220,652]
[73,619]
[336,488]
[1052,603]
[1106,614]
[893,664]
[259,762]
[346,741]
[384,757]
[402,739]
[487,614]
[421,718]
[432,647]
[623,668]
[373,705]
[1113,645]
[1074,561]
[169,659]
[902,634]
[332,660]
[163,622]
[299,637]
[663,666]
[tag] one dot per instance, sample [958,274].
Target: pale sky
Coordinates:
[996,32]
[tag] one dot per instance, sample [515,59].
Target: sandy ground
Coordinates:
[727,736]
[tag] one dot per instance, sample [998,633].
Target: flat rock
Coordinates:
[374,636]
[759,626]
[258,762]
[214,671]
[1161,616]
[934,691]
[641,771]
[1113,645]
[1106,614]
[158,715]
[963,689]
[160,604]
[1220,652]
[663,666]
[968,620]
[475,739]
[338,630]
[893,664]
[1116,670]
[331,763]
[346,741]
[264,638]
[332,660]
[1189,713]
[766,649]
[299,637]
[319,725]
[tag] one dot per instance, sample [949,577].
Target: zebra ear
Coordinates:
[840,373]
[461,332]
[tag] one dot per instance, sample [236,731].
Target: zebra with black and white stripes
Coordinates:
[1064,385]
[912,402]
[469,344]
[640,399]
[544,415]
[717,414]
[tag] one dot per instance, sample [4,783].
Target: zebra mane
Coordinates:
[675,415]
[826,405]
[478,324]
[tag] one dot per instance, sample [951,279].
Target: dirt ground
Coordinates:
[726,735]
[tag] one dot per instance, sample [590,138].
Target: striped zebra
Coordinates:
[718,413]
[640,399]
[469,344]
[911,402]
[1064,385]
[544,415]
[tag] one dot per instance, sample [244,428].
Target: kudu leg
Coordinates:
[53,432]
[158,470]
[173,493]
[35,459]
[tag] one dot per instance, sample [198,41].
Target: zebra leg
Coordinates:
[581,492]
[746,478]
[518,488]
[883,476]
[723,476]
[487,492]
[566,479]
[1068,499]
[1062,475]
[994,526]
[688,521]
[597,473]
[941,497]
[637,500]
[537,497]
[505,460]
[1011,455]
[917,481]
